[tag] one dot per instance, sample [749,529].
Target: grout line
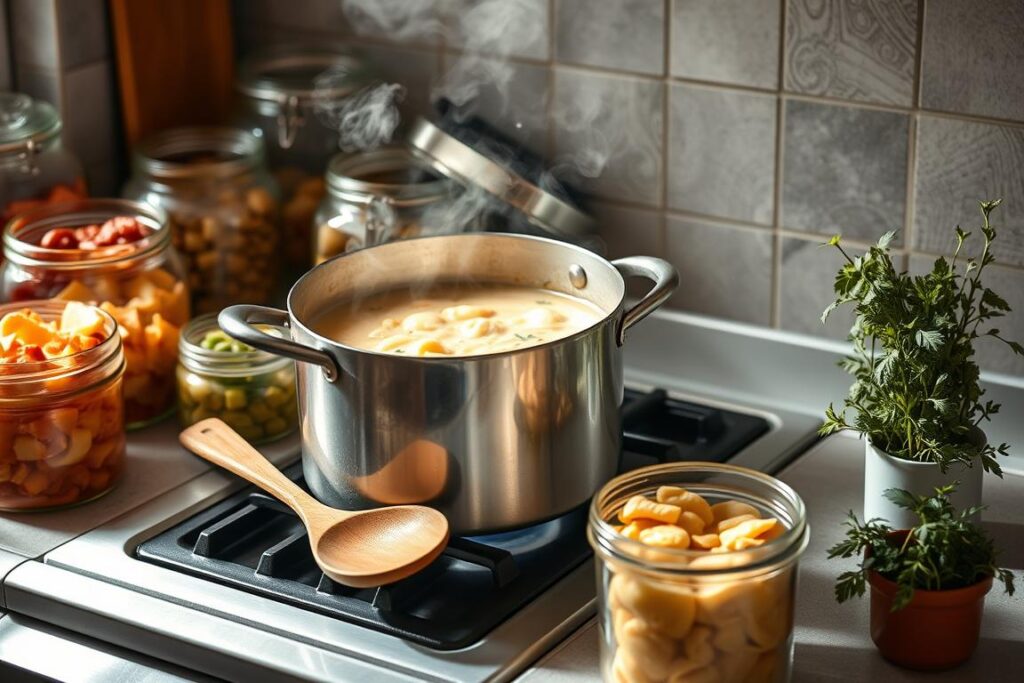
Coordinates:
[775,315]
[908,211]
[666,95]
[919,56]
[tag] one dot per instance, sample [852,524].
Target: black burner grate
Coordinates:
[253,542]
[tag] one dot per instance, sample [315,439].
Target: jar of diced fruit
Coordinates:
[252,391]
[61,409]
[696,570]
[222,206]
[118,254]
[35,168]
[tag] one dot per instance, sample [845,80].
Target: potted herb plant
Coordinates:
[916,396]
[928,583]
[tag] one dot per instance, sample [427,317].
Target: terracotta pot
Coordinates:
[937,630]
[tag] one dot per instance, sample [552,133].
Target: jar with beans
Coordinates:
[61,410]
[696,571]
[386,195]
[35,169]
[293,96]
[252,391]
[222,206]
[117,254]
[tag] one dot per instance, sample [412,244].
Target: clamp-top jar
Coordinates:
[222,206]
[34,168]
[383,196]
[292,96]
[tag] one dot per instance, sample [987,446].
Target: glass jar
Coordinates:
[34,168]
[61,422]
[681,615]
[141,284]
[382,196]
[291,96]
[222,206]
[252,391]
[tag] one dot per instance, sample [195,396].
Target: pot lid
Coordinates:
[285,72]
[461,153]
[24,120]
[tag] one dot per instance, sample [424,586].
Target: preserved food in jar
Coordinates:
[34,167]
[61,411]
[222,207]
[382,196]
[252,391]
[288,95]
[117,254]
[696,568]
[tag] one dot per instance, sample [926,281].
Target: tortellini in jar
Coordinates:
[727,626]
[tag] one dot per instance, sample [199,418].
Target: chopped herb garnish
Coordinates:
[524,337]
[544,303]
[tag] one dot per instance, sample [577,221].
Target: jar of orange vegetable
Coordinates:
[61,409]
[117,254]
[696,569]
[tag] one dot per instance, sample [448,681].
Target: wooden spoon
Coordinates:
[359,549]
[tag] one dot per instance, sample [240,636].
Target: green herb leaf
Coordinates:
[916,386]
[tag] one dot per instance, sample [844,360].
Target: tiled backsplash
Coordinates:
[730,136]
[739,133]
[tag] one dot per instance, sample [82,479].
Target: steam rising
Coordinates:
[364,120]
[487,34]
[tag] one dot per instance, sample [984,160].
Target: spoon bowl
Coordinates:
[360,549]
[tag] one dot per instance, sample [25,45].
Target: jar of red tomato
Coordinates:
[117,254]
[61,408]
[35,169]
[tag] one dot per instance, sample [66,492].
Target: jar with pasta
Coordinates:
[387,195]
[696,569]
[252,391]
[117,254]
[297,97]
[35,168]
[61,410]
[222,206]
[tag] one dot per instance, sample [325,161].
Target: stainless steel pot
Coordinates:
[495,441]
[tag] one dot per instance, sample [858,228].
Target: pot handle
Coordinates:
[659,271]
[238,322]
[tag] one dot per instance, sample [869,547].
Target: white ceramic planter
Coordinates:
[882,471]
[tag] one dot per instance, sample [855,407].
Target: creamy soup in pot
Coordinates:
[457,320]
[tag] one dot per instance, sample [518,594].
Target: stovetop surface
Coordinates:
[252,542]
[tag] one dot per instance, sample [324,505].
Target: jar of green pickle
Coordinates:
[252,391]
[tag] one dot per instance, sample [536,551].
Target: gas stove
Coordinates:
[252,542]
[218,578]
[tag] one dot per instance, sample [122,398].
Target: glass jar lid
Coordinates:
[200,152]
[25,122]
[468,164]
[294,71]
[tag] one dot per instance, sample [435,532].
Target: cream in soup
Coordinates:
[457,320]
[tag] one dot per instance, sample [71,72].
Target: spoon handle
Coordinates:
[213,440]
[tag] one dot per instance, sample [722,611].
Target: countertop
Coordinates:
[832,640]
[155,464]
